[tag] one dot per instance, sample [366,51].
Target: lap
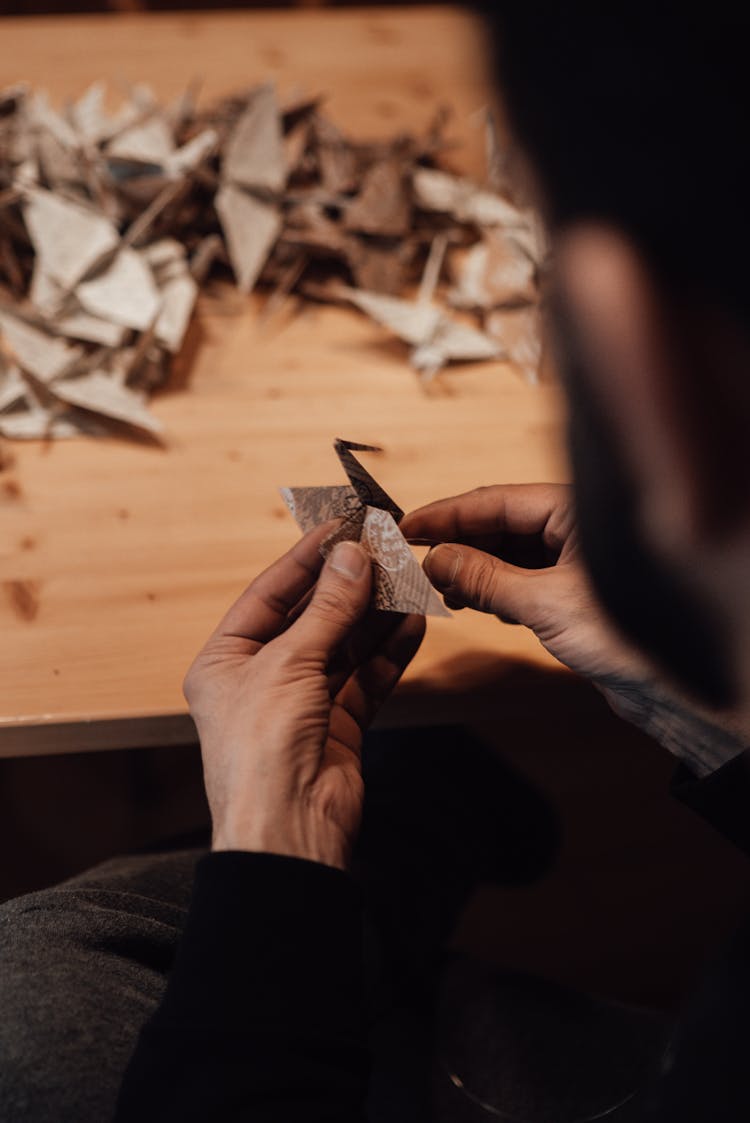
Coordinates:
[82,967]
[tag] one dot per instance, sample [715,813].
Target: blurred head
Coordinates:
[633,125]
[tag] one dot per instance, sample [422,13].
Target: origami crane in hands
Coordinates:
[371,518]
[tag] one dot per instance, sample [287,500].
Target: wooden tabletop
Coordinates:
[117,559]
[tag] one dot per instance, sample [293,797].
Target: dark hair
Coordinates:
[639,115]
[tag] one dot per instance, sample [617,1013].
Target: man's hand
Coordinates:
[512,551]
[281,695]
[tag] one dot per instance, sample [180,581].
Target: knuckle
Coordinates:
[331,604]
[480,496]
[481,584]
[197,680]
[191,684]
[285,664]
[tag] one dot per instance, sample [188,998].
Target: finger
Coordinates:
[261,611]
[370,634]
[341,597]
[477,580]
[295,612]
[367,688]
[515,509]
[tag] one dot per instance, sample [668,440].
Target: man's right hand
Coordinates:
[512,550]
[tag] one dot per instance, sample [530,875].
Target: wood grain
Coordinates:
[116,559]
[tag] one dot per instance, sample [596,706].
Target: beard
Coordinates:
[652,605]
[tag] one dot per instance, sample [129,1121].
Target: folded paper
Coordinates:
[369,516]
[112,218]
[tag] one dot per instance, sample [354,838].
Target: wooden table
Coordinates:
[117,559]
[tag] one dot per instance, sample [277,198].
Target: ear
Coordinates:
[671,371]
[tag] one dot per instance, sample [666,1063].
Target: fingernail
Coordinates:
[443,565]
[349,559]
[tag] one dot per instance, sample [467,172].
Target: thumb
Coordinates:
[474,579]
[341,597]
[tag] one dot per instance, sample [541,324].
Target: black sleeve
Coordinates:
[704,1074]
[263,1015]
[722,798]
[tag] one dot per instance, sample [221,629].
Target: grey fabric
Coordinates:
[82,966]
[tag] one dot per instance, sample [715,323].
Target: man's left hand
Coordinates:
[282,694]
